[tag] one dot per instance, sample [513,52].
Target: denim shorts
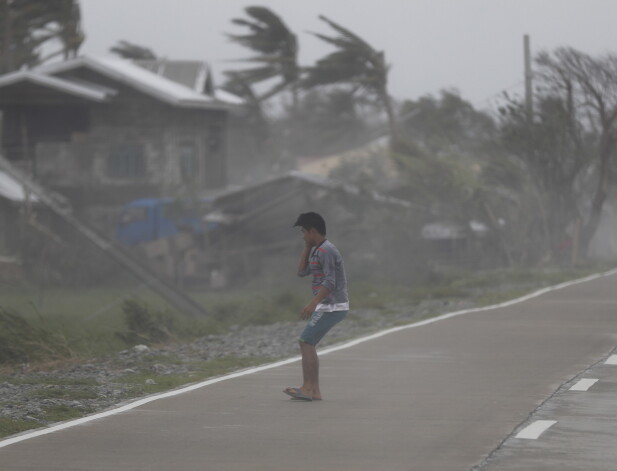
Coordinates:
[319,324]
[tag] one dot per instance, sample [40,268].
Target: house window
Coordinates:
[126,161]
[188,161]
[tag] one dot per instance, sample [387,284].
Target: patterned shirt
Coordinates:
[326,265]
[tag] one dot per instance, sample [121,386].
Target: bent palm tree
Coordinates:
[70,32]
[356,62]
[26,25]
[278,48]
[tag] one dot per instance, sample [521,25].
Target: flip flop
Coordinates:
[298,399]
[296,393]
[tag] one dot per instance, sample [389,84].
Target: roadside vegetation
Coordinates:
[68,330]
[73,392]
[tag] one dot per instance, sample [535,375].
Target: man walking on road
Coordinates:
[330,302]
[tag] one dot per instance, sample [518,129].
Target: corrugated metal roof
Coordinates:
[81,89]
[192,74]
[188,73]
[139,78]
[180,86]
[227,97]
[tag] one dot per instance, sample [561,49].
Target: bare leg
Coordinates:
[310,370]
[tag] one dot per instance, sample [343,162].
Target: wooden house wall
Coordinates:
[169,150]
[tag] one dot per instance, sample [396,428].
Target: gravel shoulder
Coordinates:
[32,398]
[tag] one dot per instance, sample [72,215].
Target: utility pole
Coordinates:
[528,80]
[6,65]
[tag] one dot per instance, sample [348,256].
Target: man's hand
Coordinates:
[304,258]
[310,307]
[308,310]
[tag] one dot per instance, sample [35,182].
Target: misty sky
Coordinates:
[475,46]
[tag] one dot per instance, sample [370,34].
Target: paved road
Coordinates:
[583,436]
[443,396]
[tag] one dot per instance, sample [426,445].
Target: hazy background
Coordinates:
[475,46]
[481,206]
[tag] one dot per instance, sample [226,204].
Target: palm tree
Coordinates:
[278,52]
[70,33]
[25,25]
[19,19]
[356,62]
[130,50]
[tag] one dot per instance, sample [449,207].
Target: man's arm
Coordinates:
[309,309]
[304,261]
[327,285]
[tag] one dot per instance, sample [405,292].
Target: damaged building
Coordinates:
[121,139]
[103,131]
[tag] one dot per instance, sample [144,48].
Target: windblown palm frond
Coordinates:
[355,62]
[269,36]
[25,25]
[268,32]
[234,84]
[257,74]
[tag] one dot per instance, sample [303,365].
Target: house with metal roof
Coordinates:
[104,130]
[195,75]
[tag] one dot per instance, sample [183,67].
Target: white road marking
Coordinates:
[612,360]
[584,384]
[353,343]
[533,431]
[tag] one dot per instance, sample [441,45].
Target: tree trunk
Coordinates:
[392,124]
[599,198]
[503,245]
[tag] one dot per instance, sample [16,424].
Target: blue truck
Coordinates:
[148,219]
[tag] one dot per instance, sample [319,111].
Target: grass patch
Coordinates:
[13,426]
[252,307]
[438,292]
[488,299]
[378,295]
[62,413]
[88,318]
[64,324]
[22,340]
